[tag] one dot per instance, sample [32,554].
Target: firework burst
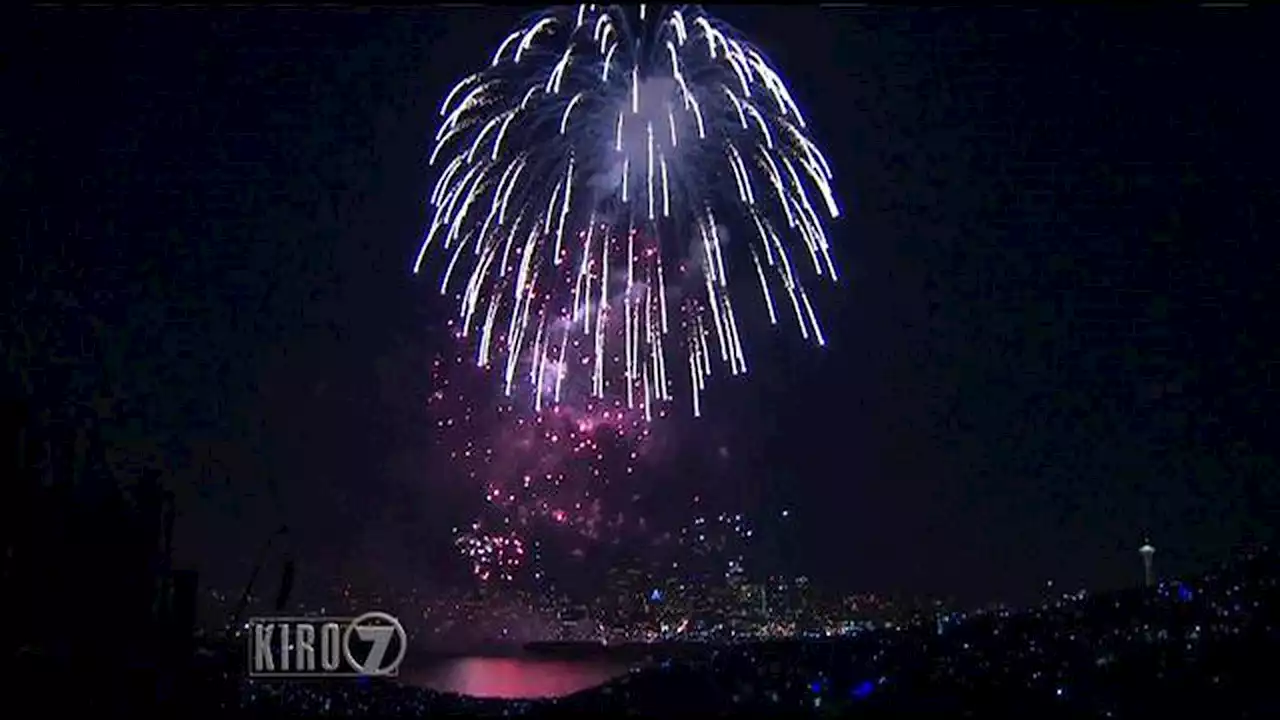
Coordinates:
[493,556]
[590,180]
[554,475]
[561,491]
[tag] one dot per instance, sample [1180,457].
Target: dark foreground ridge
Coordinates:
[1199,644]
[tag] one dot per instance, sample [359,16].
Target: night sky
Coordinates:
[1051,337]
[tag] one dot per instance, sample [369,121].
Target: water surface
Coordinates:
[512,677]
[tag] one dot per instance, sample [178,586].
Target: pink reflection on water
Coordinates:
[513,678]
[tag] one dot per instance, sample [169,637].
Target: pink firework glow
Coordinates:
[576,486]
[547,473]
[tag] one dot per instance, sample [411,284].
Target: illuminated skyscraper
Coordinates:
[735,576]
[1148,571]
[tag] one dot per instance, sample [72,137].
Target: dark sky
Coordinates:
[1051,338]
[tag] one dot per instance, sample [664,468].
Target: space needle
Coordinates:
[1148,552]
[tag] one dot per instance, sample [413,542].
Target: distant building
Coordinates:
[735,576]
[576,624]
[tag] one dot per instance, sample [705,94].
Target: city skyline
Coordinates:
[643,604]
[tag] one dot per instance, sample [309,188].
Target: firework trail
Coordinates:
[590,179]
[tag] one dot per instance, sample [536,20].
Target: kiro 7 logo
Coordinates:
[295,647]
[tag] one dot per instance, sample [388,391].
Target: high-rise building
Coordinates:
[735,576]
[576,623]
